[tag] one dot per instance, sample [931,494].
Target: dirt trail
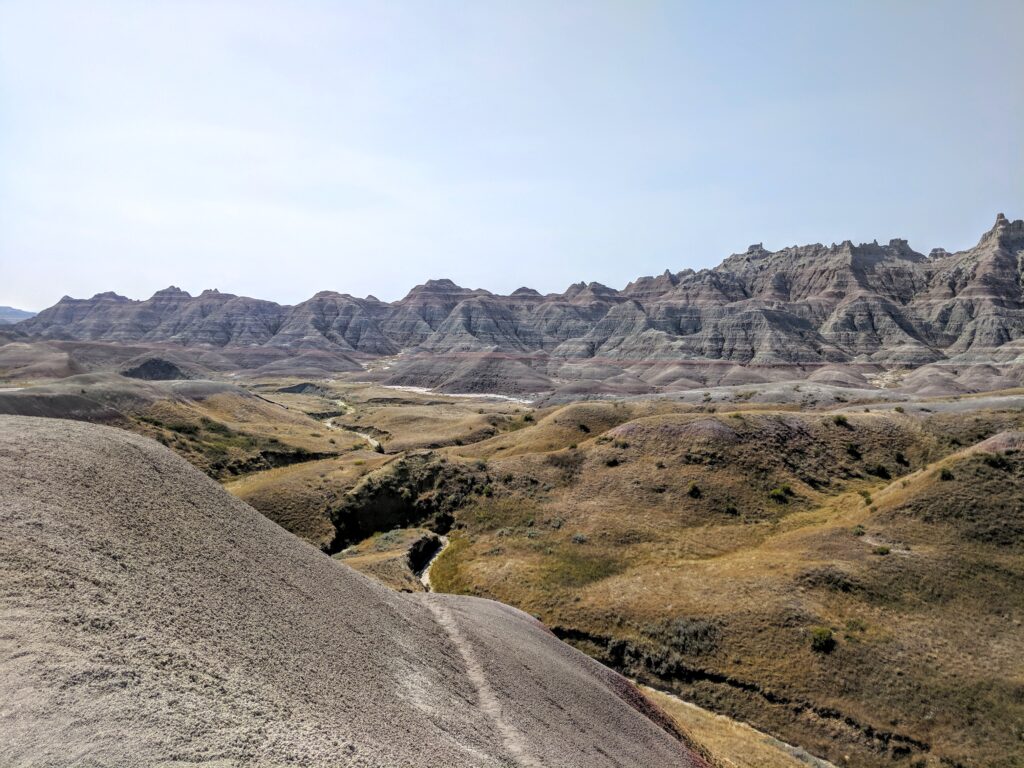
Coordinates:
[490,705]
[329,423]
[514,741]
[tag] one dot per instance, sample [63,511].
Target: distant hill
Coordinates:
[12,315]
[759,315]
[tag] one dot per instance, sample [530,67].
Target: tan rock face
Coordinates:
[801,306]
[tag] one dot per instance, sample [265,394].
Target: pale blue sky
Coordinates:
[279,148]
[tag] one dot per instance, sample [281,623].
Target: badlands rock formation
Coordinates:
[149,618]
[758,316]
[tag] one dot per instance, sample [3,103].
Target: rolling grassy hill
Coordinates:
[850,582]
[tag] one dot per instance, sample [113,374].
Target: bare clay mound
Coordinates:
[149,618]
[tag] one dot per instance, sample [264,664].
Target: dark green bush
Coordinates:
[996,461]
[879,470]
[822,640]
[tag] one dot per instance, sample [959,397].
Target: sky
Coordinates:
[276,149]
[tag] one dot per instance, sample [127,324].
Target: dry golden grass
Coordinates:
[399,419]
[300,497]
[553,429]
[609,543]
[232,433]
[258,418]
[732,744]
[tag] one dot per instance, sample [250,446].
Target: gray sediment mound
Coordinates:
[149,618]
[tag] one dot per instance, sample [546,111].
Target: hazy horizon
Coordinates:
[275,150]
[197,291]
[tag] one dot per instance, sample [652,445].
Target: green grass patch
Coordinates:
[577,567]
[446,572]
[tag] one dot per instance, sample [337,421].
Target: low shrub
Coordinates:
[856,625]
[879,470]
[215,426]
[996,461]
[822,640]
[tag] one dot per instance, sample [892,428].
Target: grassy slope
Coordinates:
[306,498]
[300,497]
[733,744]
[659,546]
[227,434]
